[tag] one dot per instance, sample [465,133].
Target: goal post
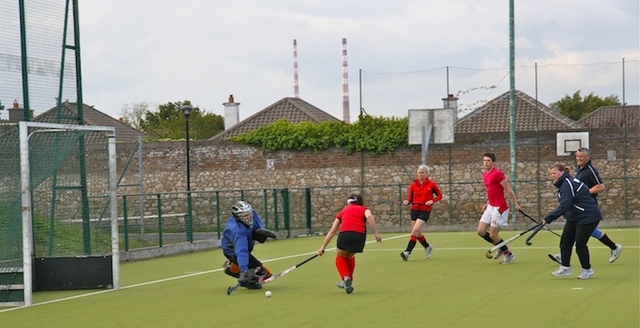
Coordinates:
[61,209]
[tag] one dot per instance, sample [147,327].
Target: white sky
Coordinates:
[204,50]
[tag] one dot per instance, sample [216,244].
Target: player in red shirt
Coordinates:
[422,194]
[496,210]
[351,221]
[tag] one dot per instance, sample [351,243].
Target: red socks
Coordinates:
[352,266]
[345,266]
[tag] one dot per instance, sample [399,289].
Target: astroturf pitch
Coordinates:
[457,287]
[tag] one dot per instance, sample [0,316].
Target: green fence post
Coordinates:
[308,207]
[265,200]
[400,207]
[285,203]
[218,213]
[275,209]
[126,223]
[159,202]
[189,219]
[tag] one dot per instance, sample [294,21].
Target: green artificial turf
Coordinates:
[456,287]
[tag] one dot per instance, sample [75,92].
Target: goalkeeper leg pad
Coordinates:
[231,269]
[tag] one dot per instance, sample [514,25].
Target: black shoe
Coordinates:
[347,285]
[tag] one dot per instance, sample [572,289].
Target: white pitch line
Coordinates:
[162,280]
[266,261]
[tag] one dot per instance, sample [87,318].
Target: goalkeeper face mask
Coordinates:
[246,219]
[243,212]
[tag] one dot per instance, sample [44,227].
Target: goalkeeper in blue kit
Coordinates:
[240,233]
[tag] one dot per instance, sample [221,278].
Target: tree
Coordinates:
[133,113]
[576,107]
[169,122]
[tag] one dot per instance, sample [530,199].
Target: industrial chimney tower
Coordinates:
[345,83]
[296,91]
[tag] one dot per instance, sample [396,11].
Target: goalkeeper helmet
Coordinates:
[243,212]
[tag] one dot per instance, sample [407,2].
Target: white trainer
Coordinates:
[428,250]
[508,258]
[562,271]
[615,253]
[586,273]
[404,255]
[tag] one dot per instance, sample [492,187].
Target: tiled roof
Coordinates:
[92,116]
[531,115]
[295,110]
[612,116]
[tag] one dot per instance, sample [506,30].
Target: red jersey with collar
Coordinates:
[495,192]
[353,219]
[420,193]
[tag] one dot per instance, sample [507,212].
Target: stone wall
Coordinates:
[219,167]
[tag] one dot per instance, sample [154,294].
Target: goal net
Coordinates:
[58,209]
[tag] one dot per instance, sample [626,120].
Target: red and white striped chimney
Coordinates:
[345,83]
[296,91]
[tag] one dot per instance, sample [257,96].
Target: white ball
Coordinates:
[267,293]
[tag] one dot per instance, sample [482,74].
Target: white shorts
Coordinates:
[494,218]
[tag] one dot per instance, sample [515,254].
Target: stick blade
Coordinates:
[535,231]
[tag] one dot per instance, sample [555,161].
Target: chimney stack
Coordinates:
[450,102]
[231,113]
[16,114]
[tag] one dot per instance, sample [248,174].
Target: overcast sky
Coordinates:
[407,54]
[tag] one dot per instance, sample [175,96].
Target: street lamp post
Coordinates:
[186,109]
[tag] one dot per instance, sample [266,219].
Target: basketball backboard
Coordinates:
[442,121]
[569,142]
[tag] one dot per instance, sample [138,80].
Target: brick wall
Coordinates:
[220,165]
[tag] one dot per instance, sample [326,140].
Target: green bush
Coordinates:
[376,135]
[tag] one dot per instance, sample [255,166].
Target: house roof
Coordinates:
[295,110]
[612,116]
[531,115]
[92,116]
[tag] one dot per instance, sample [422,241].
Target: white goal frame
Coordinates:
[27,209]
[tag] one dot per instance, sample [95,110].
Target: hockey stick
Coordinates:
[508,241]
[395,202]
[232,288]
[272,278]
[532,219]
[535,231]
